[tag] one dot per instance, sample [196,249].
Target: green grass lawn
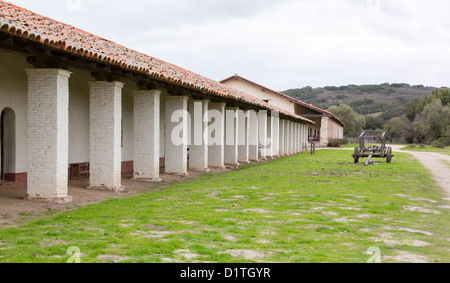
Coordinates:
[427,148]
[320,208]
[410,147]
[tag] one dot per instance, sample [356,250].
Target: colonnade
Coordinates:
[198,134]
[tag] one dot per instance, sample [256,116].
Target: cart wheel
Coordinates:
[389,155]
[356,155]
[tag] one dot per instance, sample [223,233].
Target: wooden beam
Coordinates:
[315,115]
[144,85]
[197,97]
[7,40]
[103,76]
[44,62]
[171,92]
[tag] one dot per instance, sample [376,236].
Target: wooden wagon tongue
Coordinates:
[369,159]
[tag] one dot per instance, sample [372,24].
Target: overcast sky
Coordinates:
[281,44]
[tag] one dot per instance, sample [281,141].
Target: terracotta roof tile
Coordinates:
[26,24]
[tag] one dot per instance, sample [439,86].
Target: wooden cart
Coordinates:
[373,151]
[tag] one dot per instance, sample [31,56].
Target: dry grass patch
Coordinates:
[404,256]
[420,209]
[247,254]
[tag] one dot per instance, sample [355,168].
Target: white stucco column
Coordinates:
[301,141]
[300,136]
[243,136]
[276,135]
[198,149]
[262,133]
[287,137]
[176,135]
[304,137]
[105,135]
[146,134]
[216,135]
[48,134]
[282,137]
[307,136]
[270,137]
[294,137]
[253,141]
[292,140]
[231,136]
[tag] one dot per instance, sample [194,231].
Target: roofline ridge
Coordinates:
[283,95]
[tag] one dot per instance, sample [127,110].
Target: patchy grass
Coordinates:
[320,208]
[25,214]
[427,148]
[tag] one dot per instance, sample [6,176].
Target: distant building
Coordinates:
[327,126]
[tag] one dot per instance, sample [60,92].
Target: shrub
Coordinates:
[441,142]
[438,144]
[334,143]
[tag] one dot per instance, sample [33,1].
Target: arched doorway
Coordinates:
[8,145]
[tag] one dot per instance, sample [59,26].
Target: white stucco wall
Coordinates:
[13,94]
[330,130]
[79,117]
[335,131]
[128,120]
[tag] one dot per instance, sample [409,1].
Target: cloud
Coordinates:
[316,43]
[280,44]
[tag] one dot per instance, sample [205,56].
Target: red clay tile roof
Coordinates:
[23,23]
[309,106]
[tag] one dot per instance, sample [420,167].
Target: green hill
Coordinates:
[378,103]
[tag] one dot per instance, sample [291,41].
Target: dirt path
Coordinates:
[438,164]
